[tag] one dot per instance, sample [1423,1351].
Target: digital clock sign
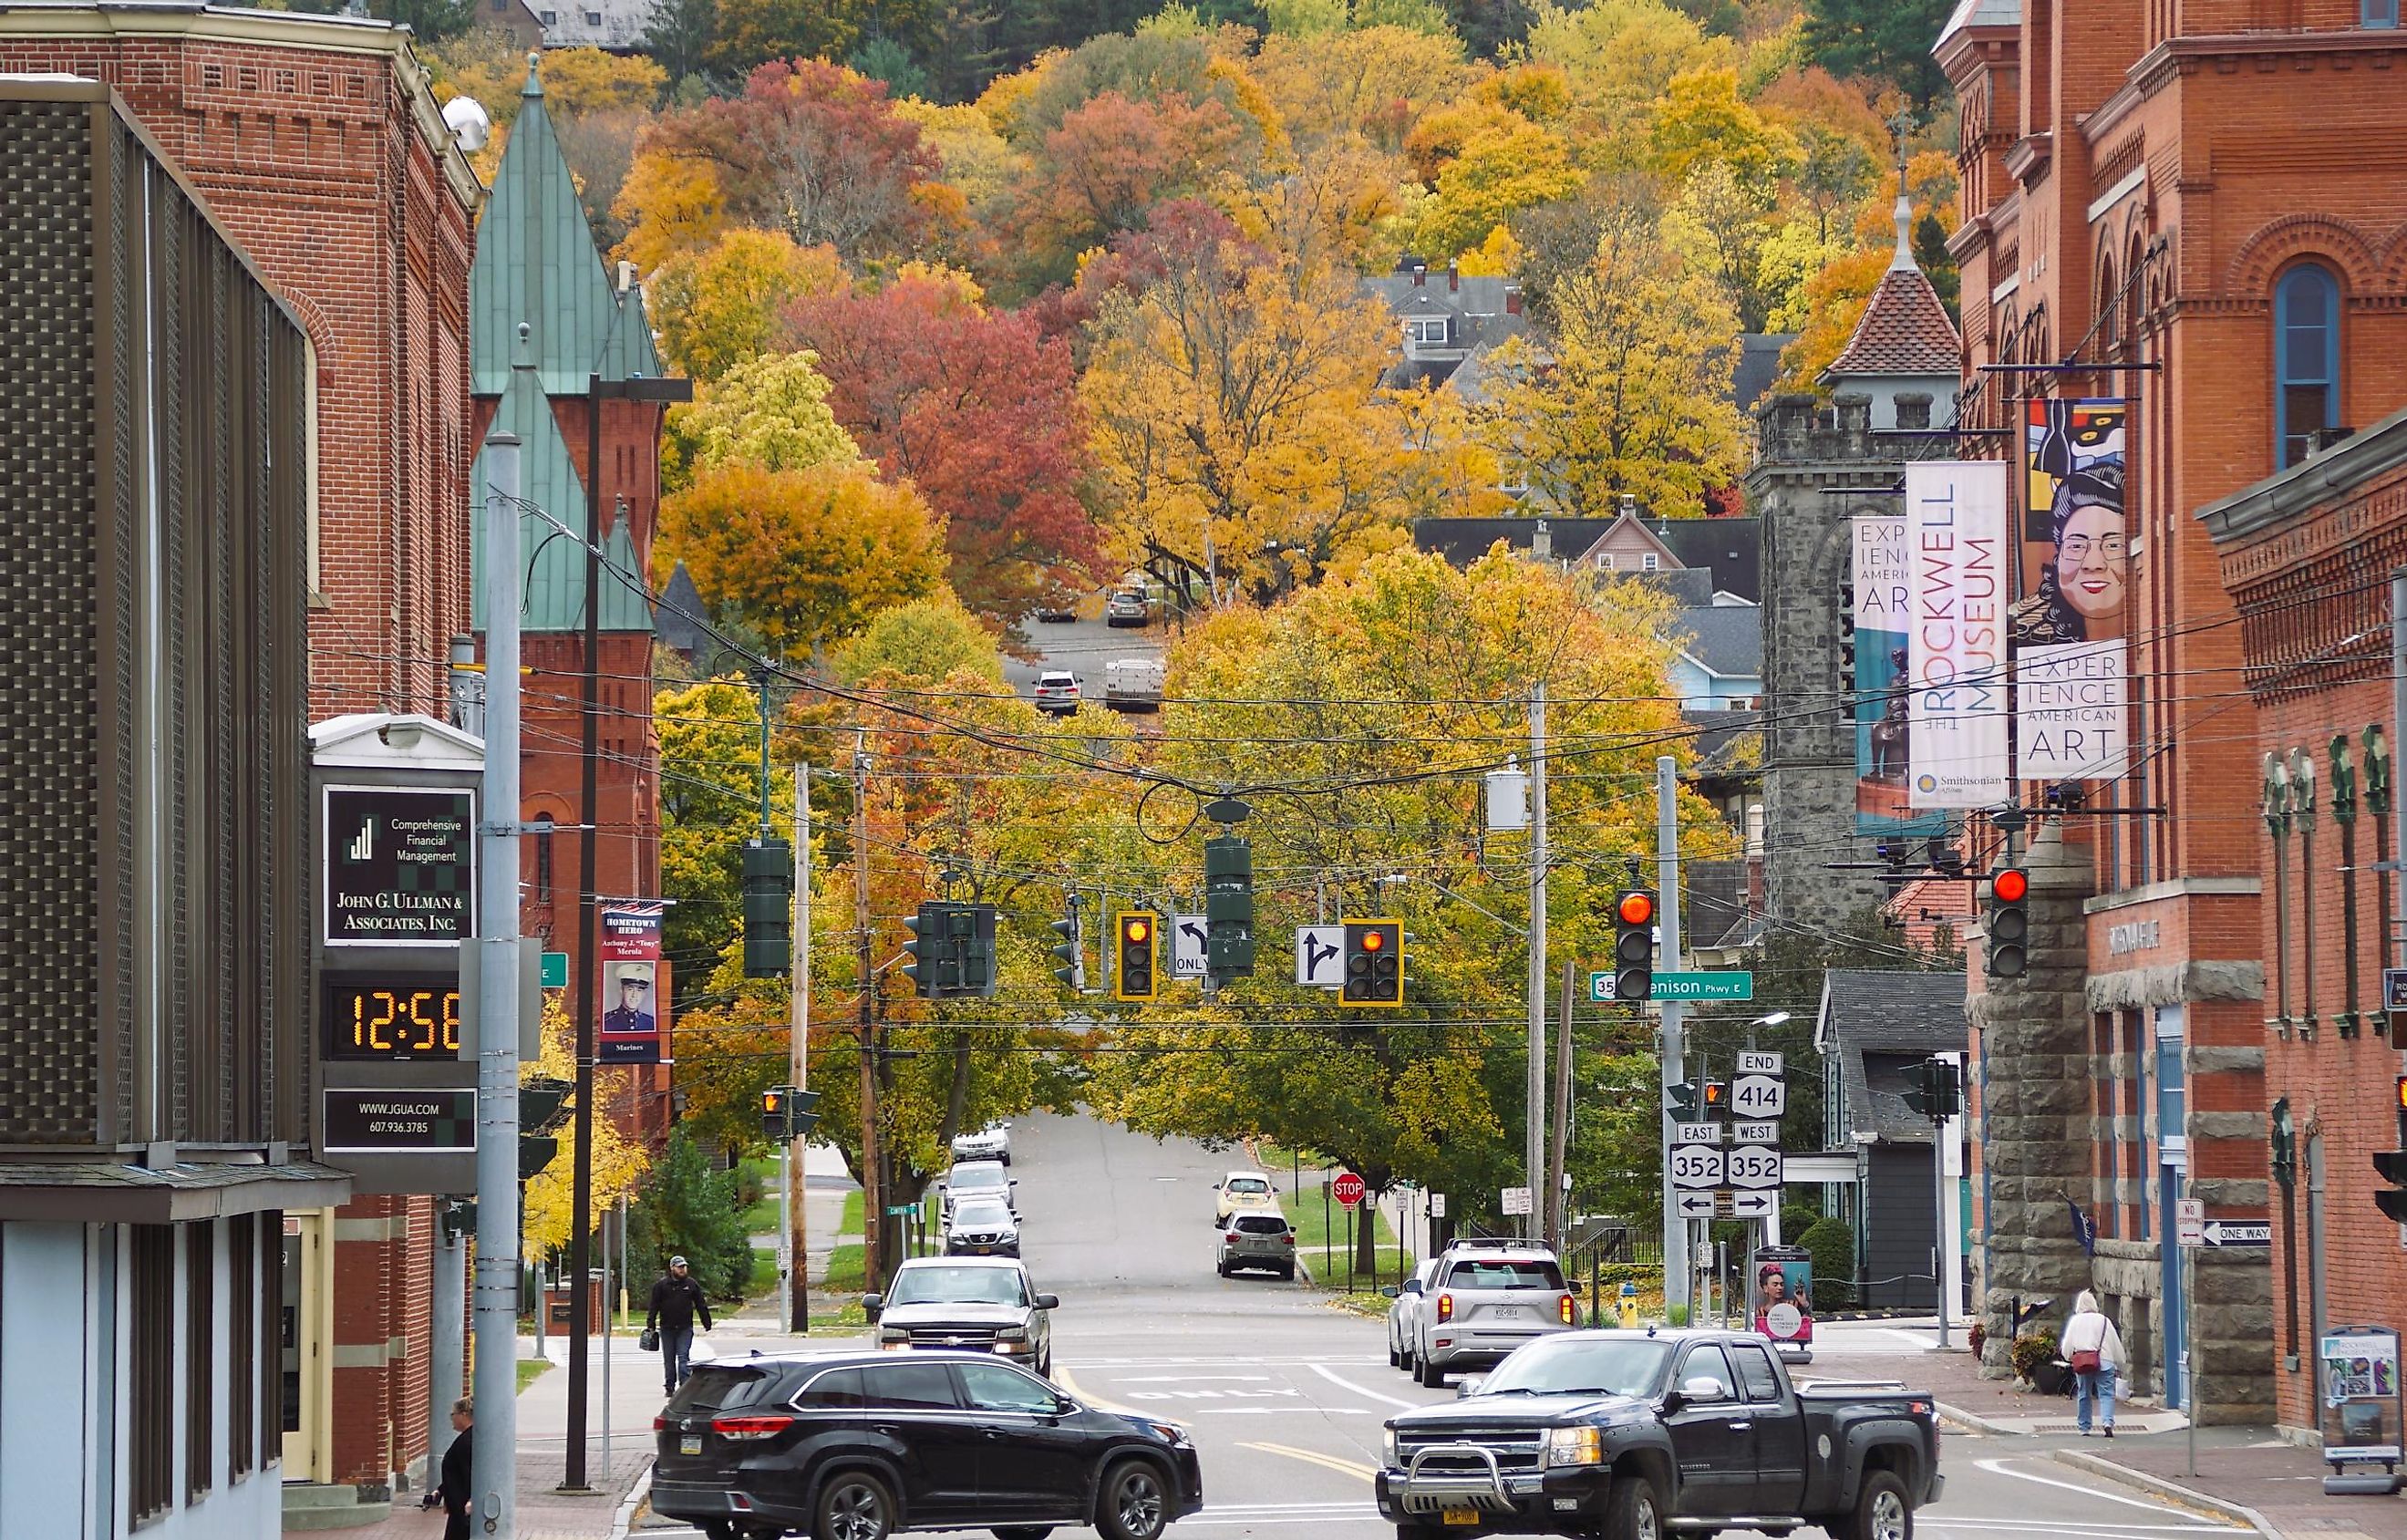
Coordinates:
[389,1019]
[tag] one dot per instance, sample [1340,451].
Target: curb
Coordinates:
[1969,1423]
[2188,1497]
[624,1519]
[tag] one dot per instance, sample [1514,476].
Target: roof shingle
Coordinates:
[1904,331]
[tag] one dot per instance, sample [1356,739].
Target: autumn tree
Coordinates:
[804,557]
[770,411]
[923,642]
[1106,165]
[619,1162]
[980,411]
[1375,83]
[1630,391]
[720,308]
[1618,59]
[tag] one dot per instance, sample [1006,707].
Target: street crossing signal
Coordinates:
[768,909]
[2009,927]
[787,1113]
[2392,1165]
[1139,939]
[1633,945]
[1716,1098]
[1070,951]
[1684,1102]
[1228,910]
[1374,963]
[1937,1091]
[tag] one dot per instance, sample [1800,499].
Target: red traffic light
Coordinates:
[1373,940]
[2011,886]
[1637,908]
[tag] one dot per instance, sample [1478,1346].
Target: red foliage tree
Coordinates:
[980,410]
[1107,167]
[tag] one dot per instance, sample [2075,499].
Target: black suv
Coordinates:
[858,1446]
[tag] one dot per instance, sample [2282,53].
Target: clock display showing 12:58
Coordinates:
[388,1018]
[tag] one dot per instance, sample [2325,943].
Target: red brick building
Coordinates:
[321,151]
[2141,188]
[2307,555]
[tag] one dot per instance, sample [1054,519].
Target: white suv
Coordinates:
[1487,1298]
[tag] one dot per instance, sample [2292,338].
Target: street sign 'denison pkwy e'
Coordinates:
[1683,986]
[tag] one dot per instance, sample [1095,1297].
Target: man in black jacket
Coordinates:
[677,1299]
[455,1486]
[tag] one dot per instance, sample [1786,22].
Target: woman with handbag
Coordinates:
[2094,1349]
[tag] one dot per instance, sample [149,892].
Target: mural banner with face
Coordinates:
[1883,618]
[2070,662]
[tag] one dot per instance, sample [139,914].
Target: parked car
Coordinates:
[982,1226]
[1404,1316]
[1128,607]
[1631,1433]
[1489,1298]
[971,1178]
[1057,692]
[990,1143]
[1057,609]
[981,1305]
[1133,684]
[1263,1241]
[1241,1191]
[856,1447]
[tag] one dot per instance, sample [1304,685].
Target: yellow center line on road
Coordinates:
[1062,1376]
[1314,1456]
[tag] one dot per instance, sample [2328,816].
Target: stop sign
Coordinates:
[1348,1189]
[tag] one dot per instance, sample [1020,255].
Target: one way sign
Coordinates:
[1187,934]
[2239,1232]
[1317,948]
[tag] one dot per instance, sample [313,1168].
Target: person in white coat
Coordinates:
[2095,1350]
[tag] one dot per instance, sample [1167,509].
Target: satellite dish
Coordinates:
[469,122]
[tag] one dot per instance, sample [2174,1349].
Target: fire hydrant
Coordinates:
[1626,1306]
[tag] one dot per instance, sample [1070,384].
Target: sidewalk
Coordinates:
[825,1185]
[1978,1404]
[2246,1469]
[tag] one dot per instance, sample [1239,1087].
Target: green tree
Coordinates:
[769,411]
[691,1210]
[1890,40]
[923,642]
[884,59]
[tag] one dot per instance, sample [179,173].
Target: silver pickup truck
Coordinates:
[1486,1299]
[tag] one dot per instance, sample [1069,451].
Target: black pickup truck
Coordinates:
[1632,1436]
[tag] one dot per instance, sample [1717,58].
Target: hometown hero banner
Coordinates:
[634,986]
[1956,708]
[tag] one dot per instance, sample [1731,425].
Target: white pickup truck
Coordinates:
[1133,684]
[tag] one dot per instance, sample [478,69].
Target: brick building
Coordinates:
[589,340]
[2136,193]
[319,150]
[2307,555]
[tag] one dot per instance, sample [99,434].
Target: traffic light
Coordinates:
[543,1106]
[1937,1090]
[1071,950]
[768,909]
[970,930]
[536,1152]
[1139,933]
[1633,945]
[919,966]
[1228,908]
[2009,922]
[1716,1098]
[1684,1102]
[786,1113]
[2392,1164]
[1374,963]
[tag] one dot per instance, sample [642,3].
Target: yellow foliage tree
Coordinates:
[618,1164]
[1511,165]
[1375,83]
[1617,58]
[770,411]
[670,204]
[1632,393]
[720,308]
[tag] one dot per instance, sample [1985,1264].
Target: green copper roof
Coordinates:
[536,262]
[628,353]
[552,564]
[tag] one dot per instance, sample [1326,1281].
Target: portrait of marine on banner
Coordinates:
[2071,657]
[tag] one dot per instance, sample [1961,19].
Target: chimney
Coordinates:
[626,276]
[1629,505]
[1453,276]
[1542,542]
[1512,299]
[1420,273]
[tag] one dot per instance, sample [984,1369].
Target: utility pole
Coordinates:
[1677,1258]
[2398,743]
[1558,1200]
[797,1312]
[873,1169]
[1535,1152]
[589,992]
[496,1452]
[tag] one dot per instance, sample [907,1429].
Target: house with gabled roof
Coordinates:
[583,436]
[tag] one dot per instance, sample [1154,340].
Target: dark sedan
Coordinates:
[861,1445]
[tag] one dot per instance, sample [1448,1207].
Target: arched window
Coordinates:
[2306,361]
[2108,305]
[543,827]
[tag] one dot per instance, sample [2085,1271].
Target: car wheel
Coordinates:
[1408,1364]
[1882,1510]
[717,1529]
[1044,1370]
[1224,1269]
[1288,1272]
[1135,1503]
[1395,1357]
[1022,1532]
[1633,1511]
[1430,1375]
[854,1506]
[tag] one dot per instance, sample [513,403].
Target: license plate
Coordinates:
[689,1444]
[1507,1312]
[1460,1515]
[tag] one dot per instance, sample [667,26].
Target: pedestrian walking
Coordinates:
[456,1478]
[2095,1350]
[677,1299]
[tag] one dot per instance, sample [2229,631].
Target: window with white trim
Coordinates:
[1425,329]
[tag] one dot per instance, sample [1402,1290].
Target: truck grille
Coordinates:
[969,1338]
[1512,1454]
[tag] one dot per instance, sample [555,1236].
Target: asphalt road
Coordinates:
[1286,1393]
[1083,646]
